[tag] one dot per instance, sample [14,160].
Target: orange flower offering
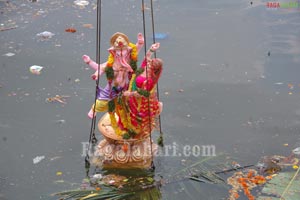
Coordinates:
[71,30]
[244,182]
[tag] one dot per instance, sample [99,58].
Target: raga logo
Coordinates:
[275,5]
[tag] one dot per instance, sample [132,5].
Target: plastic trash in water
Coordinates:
[45,35]
[161,36]
[9,54]
[278,83]
[60,121]
[35,69]
[97,176]
[81,3]
[297,151]
[38,159]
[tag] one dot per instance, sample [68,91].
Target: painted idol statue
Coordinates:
[119,67]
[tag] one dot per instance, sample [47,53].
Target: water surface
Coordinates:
[230,80]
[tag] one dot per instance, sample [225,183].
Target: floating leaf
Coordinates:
[283,186]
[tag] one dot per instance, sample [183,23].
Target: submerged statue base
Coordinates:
[116,152]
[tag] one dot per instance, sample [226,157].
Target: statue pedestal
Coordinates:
[116,152]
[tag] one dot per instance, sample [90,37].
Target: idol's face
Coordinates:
[120,42]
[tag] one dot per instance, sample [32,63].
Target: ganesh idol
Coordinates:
[119,67]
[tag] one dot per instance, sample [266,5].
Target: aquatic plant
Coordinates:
[114,187]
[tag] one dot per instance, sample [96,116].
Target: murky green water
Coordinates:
[231,79]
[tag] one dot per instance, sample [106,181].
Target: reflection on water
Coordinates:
[220,86]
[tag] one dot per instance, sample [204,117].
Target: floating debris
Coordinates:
[70,30]
[161,36]
[57,98]
[55,158]
[203,64]
[274,164]
[81,3]
[235,165]
[244,182]
[59,173]
[35,69]
[98,176]
[59,181]
[45,35]
[113,179]
[296,151]
[8,28]
[38,159]
[60,121]
[291,86]
[9,54]
[88,25]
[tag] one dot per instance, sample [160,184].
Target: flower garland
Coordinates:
[131,82]
[142,92]
[133,56]
[109,71]
[113,121]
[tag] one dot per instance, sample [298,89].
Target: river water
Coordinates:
[231,80]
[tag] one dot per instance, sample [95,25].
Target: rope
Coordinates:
[98,42]
[92,138]
[157,90]
[149,114]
